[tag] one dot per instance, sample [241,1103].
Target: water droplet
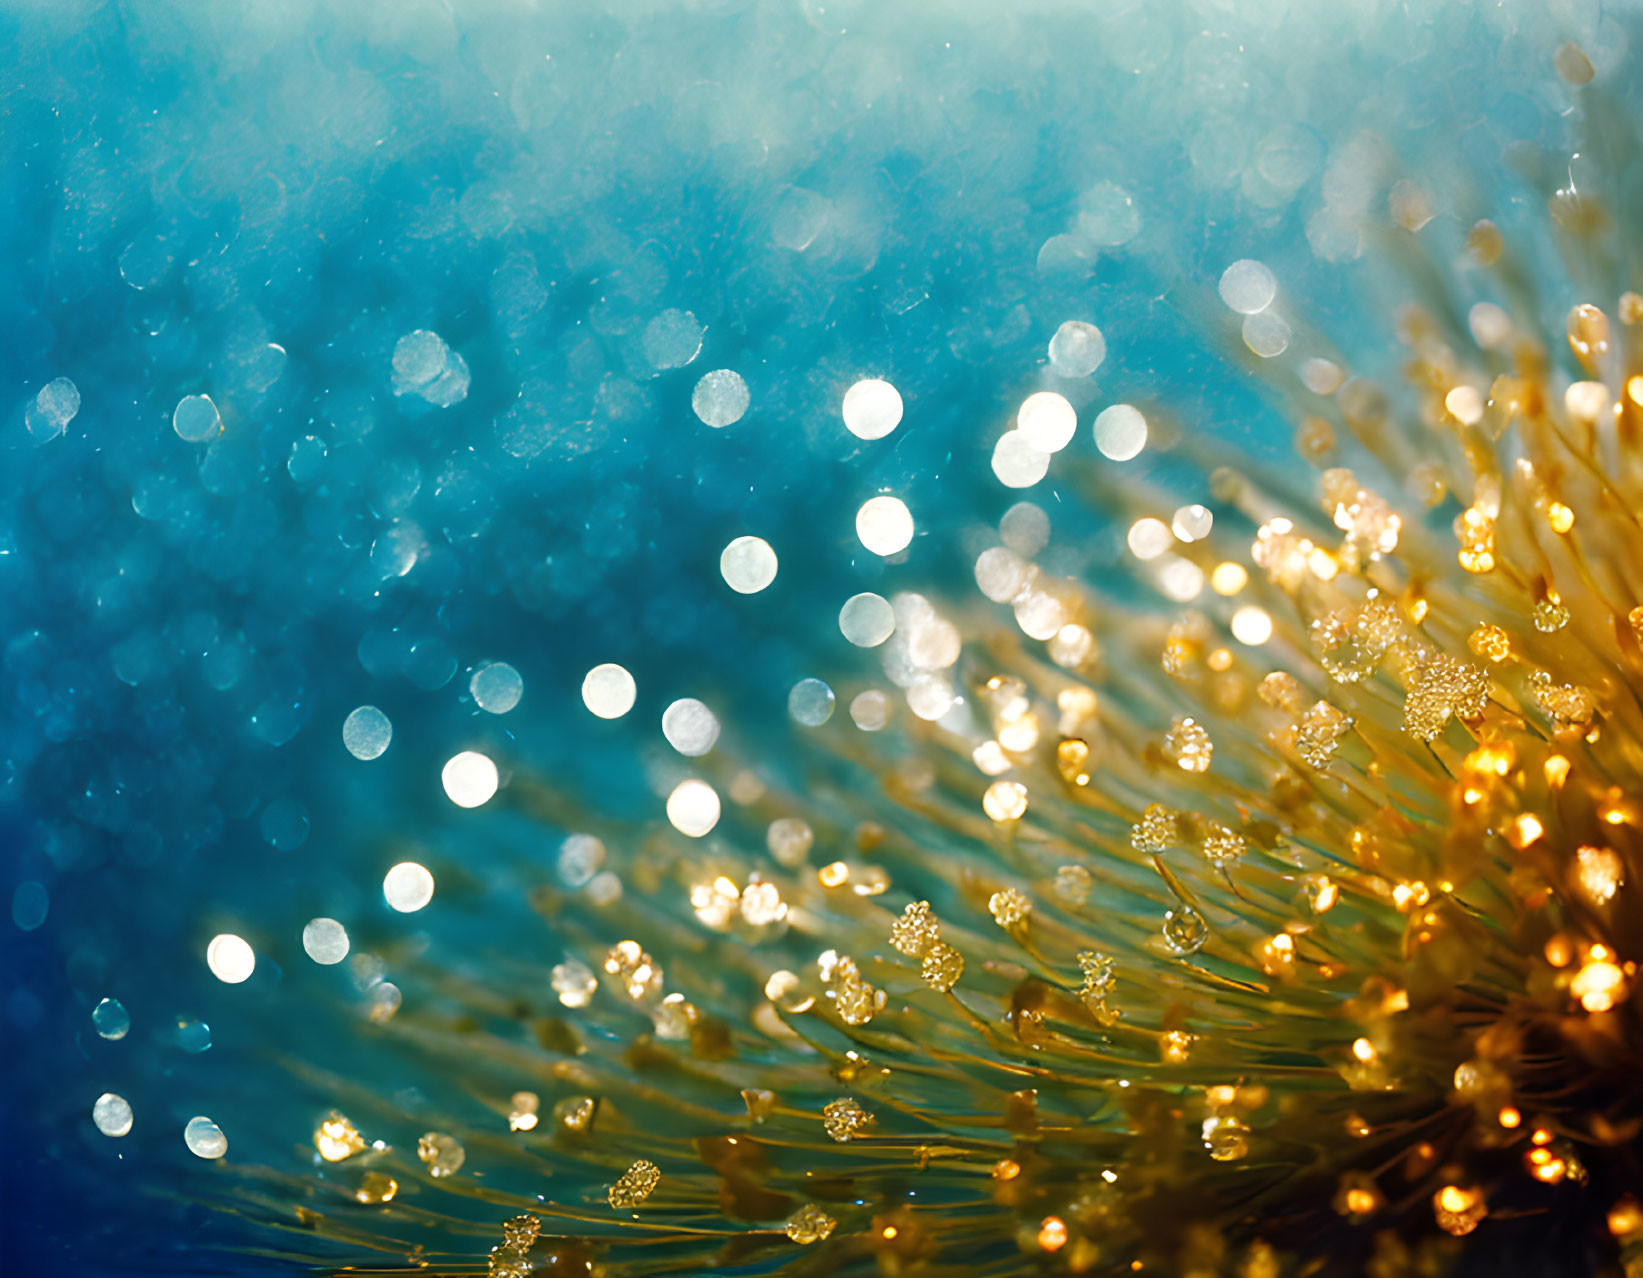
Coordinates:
[496,687]
[720,398]
[196,419]
[204,1138]
[110,1019]
[867,620]
[1184,930]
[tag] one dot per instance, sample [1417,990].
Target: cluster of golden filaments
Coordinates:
[1333,848]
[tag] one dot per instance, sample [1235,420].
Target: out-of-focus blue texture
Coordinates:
[256,201]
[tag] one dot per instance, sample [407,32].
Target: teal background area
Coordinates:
[834,191]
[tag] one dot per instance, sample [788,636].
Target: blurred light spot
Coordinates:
[383,1002]
[1229,578]
[496,687]
[1180,579]
[720,398]
[872,409]
[1120,432]
[1266,334]
[1247,286]
[693,808]
[1002,574]
[1491,327]
[112,1114]
[867,620]
[1005,801]
[426,367]
[580,857]
[1077,349]
[1047,421]
[1321,376]
[1251,625]
[690,727]
[1465,405]
[54,407]
[1025,528]
[748,565]
[1586,401]
[230,958]
[870,710]
[196,418]
[469,778]
[810,702]
[204,1138]
[1148,538]
[989,756]
[408,887]
[789,840]
[1017,463]
[609,691]
[325,941]
[284,825]
[1107,215]
[1192,523]
[574,983]
[366,733]
[930,697]
[30,903]
[672,339]
[110,1019]
[884,525]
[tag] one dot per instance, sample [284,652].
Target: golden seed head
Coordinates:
[1009,907]
[635,1185]
[810,1224]
[844,1120]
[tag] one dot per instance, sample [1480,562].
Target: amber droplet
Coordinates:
[1184,930]
[375,1189]
[575,1114]
[1588,329]
[843,1119]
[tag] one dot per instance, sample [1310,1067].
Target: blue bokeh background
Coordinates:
[257,201]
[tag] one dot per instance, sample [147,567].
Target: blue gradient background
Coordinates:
[535,182]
